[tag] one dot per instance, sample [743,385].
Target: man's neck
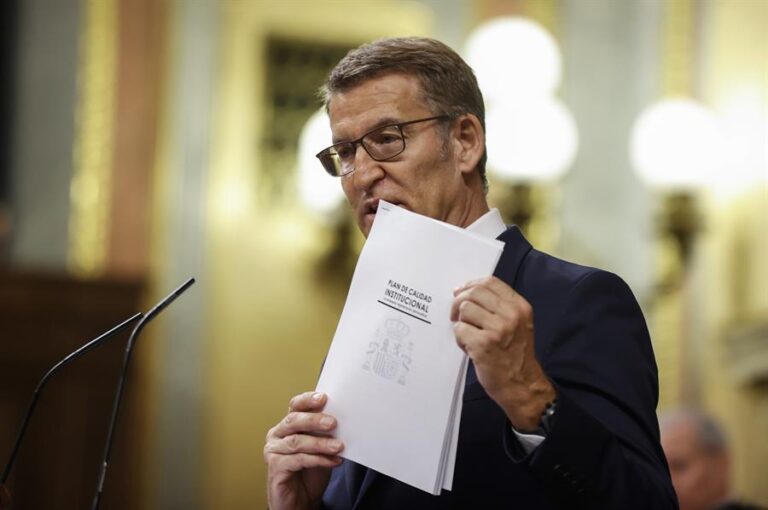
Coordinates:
[475,207]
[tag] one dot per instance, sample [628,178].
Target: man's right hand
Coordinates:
[300,454]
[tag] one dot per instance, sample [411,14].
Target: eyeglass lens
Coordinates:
[380,144]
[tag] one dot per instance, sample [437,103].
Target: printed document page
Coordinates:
[393,367]
[450,460]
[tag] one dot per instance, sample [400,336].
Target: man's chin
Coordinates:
[365,223]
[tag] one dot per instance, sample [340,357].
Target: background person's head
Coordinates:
[697,453]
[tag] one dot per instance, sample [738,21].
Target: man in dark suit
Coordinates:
[559,404]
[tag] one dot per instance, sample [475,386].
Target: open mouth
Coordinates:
[372,206]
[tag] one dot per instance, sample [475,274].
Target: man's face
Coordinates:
[700,478]
[424,178]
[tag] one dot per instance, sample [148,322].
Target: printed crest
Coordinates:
[389,355]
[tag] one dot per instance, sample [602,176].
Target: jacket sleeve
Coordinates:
[603,450]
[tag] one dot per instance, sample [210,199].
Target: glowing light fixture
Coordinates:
[745,130]
[531,141]
[677,144]
[513,58]
[319,192]
[532,136]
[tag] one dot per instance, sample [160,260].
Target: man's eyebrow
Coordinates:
[384,121]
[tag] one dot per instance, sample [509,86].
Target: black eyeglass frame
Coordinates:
[330,168]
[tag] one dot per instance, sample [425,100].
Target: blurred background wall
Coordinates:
[145,141]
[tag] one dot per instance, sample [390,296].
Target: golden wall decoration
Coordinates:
[677,47]
[669,317]
[295,70]
[90,190]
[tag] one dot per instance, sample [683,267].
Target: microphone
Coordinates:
[121,382]
[5,498]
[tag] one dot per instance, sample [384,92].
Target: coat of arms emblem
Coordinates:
[389,355]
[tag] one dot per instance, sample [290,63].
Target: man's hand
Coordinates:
[300,454]
[494,326]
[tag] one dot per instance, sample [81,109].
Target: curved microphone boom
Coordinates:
[123,376]
[4,495]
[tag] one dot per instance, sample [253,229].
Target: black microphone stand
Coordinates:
[4,494]
[123,377]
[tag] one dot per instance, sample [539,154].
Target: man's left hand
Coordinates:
[494,326]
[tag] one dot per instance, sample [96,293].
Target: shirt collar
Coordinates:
[489,224]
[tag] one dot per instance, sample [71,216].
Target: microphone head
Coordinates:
[5,497]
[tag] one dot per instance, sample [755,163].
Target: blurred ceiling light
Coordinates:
[677,144]
[514,58]
[531,141]
[319,192]
[765,150]
[743,119]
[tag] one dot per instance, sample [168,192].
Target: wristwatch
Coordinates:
[547,418]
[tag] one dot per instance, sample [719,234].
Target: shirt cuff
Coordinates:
[529,442]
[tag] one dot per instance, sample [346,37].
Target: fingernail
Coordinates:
[334,444]
[326,421]
[317,397]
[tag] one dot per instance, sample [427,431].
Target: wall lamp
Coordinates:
[323,197]
[676,147]
[532,137]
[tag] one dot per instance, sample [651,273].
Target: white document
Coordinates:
[394,374]
[453,446]
[450,461]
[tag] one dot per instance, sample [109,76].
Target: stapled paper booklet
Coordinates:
[394,374]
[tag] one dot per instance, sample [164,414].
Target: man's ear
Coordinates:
[469,140]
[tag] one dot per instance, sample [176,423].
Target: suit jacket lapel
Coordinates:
[370,475]
[516,247]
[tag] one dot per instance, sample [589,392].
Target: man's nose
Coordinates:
[367,170]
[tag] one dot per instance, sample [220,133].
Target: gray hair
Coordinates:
[710,435]
[448,84]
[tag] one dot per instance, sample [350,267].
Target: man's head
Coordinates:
[697,453]
[442,164]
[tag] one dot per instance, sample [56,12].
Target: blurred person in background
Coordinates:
[699,460]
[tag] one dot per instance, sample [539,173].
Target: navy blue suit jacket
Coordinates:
[603,450]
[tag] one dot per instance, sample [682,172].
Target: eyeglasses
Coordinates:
[381,144]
